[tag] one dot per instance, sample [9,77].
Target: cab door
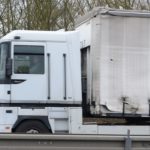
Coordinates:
[29,76]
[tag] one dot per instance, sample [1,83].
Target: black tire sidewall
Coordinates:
[35,125]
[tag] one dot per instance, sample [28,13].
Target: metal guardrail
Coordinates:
[73,142]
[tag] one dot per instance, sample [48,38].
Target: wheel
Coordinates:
[32,127]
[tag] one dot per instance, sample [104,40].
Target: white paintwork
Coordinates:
[7,120]
[59,119]
[120,59]
[85,35]
[32,112]
[76,125]
[4,97]
[35,88]
[61,125]
[58,112]
[28,35]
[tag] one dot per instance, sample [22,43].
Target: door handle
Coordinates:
[9,111]
[17,81]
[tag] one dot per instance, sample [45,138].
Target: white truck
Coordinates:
[40,77]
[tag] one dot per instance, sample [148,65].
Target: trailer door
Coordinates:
[29,77]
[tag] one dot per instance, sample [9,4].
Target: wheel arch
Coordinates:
[22,119]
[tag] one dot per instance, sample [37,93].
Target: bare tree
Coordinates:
[54,14]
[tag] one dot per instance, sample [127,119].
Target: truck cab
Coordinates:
[40,81]
[40,67]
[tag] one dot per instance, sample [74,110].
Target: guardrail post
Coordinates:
[128,141]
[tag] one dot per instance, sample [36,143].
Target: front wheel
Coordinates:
[32,127]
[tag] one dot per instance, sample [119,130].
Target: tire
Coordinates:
[32,127]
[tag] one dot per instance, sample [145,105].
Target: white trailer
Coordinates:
[115,47]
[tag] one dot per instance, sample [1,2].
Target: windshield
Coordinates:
[4,52]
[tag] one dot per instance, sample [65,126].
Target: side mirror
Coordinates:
[9,67]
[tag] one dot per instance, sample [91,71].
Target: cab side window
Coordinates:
[28,59]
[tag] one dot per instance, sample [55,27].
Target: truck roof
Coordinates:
[113,12]
[28,35]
